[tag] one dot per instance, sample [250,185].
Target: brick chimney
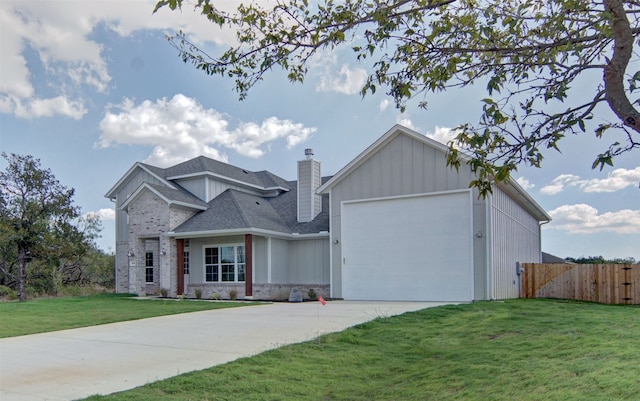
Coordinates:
[309,204]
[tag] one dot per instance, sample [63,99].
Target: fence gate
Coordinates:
[603,283]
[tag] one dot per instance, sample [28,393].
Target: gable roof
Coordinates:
[154,171]
[176,197]
[202,165]
[509,186]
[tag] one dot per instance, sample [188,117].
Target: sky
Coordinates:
[92,87]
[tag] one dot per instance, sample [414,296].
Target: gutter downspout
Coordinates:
[115,260]
[540,224]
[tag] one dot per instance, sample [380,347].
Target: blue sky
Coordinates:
[91,87]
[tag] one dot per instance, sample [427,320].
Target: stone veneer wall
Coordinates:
[261,292]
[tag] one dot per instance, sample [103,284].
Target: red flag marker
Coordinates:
[321,300]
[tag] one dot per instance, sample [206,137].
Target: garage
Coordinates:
[410,248]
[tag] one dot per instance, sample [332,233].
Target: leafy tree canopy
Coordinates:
[39,225]
[529,53]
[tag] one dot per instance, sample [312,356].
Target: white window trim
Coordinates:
[235,255]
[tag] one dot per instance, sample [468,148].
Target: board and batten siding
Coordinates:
[309,203]
[403,166]
[515,237]
[292,262]
[196,253]
[300,261]
[207,188]
[196,186]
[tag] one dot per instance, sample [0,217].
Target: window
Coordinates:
[148,262]
[185,258]
[224,263]
[211,264]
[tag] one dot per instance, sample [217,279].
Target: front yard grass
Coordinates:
[51,314]
[512,350]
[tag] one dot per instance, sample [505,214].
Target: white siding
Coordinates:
[515,237]
[196,263]
[260,260]
[207,188]
[404,166]
[293,262]
[300,261]
[196,186]
[218,187]
[309,204]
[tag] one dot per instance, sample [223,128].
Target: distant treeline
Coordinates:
[601,260]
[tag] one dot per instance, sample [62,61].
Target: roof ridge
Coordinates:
[232,194]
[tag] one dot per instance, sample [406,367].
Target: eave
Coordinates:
[113,191]
[170,202]
[248,230]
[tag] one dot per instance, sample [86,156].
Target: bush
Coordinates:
[8,293]
[312,294]
[164,293]
[198,293]
[233,295]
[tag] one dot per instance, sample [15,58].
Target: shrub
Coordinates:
[164,293]
[233,294]
[8,293]
[198,293]
[216,296]
[312,294]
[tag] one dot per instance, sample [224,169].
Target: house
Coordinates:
[396,223]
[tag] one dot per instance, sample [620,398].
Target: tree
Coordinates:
[39,224]
[530,54]
[601,260]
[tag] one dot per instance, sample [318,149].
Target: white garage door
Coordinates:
[408,249]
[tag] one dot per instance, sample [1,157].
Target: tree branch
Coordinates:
[616,67]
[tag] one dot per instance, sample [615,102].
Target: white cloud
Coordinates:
[525,183]
[442,134]
[558,184]
[103,214]
[584,219]
[59,35]
[405,120]
[616,180]
[384,103]
[348,81]
[61,105]
[180,128]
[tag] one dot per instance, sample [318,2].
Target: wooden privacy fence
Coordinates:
[607,284]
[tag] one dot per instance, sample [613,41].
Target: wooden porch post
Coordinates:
[180,257]
[248,260]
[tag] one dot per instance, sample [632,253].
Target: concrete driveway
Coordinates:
[72,364]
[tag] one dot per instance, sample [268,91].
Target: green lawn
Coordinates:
[513,350]
[42,315]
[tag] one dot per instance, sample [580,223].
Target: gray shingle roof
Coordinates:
[203,164]
[238,210]
[178,195]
